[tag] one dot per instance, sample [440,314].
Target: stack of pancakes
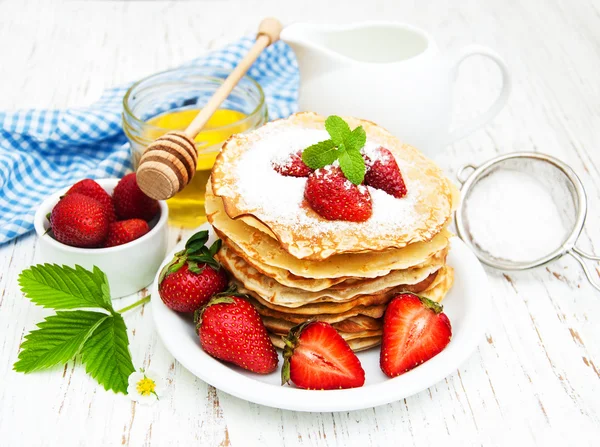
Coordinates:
[295,265]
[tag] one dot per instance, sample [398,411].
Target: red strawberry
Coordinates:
[383,173]
[90,188]
[131,203]
[79,221]
[317,357]
[293,166]
[193,276]
[331,195]
[124,231]
[231,330]
[414,330]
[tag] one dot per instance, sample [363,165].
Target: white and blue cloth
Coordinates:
[42,151]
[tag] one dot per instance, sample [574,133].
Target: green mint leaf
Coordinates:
[106,356]
[353,166]
[321,154]
[62,287]
[337,128]
[58,339]
[356,140]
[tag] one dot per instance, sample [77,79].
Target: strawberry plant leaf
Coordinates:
[320,154]
[58,339]
[196,242]
[337,129]
[62,287]
[353,166]
[106,355]
[215,247]
[193,267]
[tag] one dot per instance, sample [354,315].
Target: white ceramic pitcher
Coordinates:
[390,73]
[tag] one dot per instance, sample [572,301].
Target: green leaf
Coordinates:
[356,140]
[58,339]
[106,355]
[353,166]
[62,287]
[337,128]
[193,267]
[321,154]
[196,242]
[215,247]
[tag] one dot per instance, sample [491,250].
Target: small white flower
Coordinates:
[145,387]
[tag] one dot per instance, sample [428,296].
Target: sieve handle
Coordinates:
[579,256]
[462,175]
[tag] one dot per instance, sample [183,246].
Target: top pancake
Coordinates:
[243,177]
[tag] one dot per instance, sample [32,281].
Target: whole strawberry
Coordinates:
[414,330]
[293,166]
[331,195]
[230,329]
[90,188]
[193,276]
[79,221]
[131,203]
[124,231]
[316,357]
[382,172]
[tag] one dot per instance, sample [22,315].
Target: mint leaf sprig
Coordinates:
[99,336]
[344,146]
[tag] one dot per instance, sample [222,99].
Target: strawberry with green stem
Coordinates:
[193,276]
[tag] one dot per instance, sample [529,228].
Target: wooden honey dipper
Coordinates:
[169,163]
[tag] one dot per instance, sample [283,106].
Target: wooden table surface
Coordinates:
[535,378]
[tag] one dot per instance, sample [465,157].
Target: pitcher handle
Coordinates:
[472,50]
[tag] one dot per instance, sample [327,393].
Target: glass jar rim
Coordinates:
[204,71]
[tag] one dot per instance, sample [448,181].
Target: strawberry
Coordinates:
[124,231]
[331,195]
[90,188]
[231,330]
[79,221]
[317,357]
[414,330]
[383,173]
[131,203]
[293,166]
[193,276]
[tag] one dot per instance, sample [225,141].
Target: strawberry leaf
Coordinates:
[215,247]
[320,154]
[58,339]
[196,242]
[175,264]
[62,287]
[193,267]
[353,166]
[106,356]
[337,129]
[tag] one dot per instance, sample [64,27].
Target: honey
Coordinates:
[186,209]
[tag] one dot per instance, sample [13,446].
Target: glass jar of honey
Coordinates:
[169,101]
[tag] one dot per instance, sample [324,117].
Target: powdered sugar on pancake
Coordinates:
[279,198]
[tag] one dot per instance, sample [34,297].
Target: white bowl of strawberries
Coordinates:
[107,223]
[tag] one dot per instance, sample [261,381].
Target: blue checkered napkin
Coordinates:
[42,151]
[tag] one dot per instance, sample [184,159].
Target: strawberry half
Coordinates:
[193,276]
[131,202]
[293,166]
[414,330]
[79,221]
[383,173]
[317,357]
[332,196]
[230,329]
[90,188]
[125,231]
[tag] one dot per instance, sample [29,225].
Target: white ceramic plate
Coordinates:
[467,306]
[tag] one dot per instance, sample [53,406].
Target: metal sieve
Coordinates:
[567,193]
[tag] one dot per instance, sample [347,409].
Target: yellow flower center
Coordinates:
[146,386]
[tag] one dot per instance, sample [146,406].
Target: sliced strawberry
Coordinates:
[331,195]
[230,329]
[125,231]
[90,188]
[414,330]
[383,172]
[317,357]
[293,166]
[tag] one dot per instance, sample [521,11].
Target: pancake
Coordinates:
[361,328]
[441,285]
[361,344]
[253,244]
[243,177]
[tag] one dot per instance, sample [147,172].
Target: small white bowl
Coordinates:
[129,267]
